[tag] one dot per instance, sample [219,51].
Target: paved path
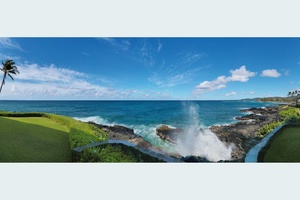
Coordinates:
[157,154]
[252,155]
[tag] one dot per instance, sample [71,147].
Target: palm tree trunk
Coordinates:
[3,81]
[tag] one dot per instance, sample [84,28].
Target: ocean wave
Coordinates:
[200,141]
[248,113]
[148,132]
[96,119]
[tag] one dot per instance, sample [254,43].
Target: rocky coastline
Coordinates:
[242,134]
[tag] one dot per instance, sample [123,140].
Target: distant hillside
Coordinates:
[270,99]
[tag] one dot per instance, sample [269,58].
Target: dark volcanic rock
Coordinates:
[194,159]
[167,133]
[123,133]
[243,133]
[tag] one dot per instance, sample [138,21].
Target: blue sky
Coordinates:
[151,68]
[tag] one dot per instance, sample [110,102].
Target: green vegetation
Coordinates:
[268,128]
[43,137]
[33,139]
[295,95]
[80,133]
[285,147]
[290,114]
[114,153]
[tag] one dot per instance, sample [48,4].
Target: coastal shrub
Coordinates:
[268,128]
[80,133]
[20,114]
[79,138]
[289,112]
[113,153]
[105,153]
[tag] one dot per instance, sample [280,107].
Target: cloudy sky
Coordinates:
[151,68]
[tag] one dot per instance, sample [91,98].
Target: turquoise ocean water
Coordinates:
[143,116]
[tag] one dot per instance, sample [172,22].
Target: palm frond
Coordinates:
[11,77]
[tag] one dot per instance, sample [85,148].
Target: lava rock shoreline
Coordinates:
[242,134]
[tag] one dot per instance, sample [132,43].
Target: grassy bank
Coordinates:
[80,133]
[27,137]
[33,139]
[285,147]
[114,153]
[43,137]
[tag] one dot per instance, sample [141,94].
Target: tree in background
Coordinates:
[8,68]
[295,94]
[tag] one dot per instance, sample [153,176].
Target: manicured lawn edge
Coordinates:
[33,139]
[263,151]
[80,133]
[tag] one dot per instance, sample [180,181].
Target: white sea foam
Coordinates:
[200,141]
[96,119]
[149,133]
[248,113]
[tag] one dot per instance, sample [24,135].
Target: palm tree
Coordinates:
[8,69]
[295,95]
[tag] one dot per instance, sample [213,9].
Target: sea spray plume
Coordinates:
[200,141]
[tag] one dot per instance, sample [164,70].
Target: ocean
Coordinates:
[145,116]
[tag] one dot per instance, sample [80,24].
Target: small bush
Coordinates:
[80,133]
[17,114]
[268,128]
[289,112]
[114,153]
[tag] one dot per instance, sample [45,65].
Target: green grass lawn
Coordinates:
[33,139]
[286,147]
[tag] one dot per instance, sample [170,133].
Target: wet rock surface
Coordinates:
[243,133]
[118,132]
[167,133]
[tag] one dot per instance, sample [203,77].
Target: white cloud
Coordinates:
[270,73]
[123,45]
[231,94]
[8,43]
[178,72]
[168,78]
[160,45]
[251,92]
[208,86]
[84,53]
[191,58]
[146,54]
[286,72]
[241,75]
[51,82]
[34,72]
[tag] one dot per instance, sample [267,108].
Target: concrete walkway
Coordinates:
[157,154]
[252,155]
